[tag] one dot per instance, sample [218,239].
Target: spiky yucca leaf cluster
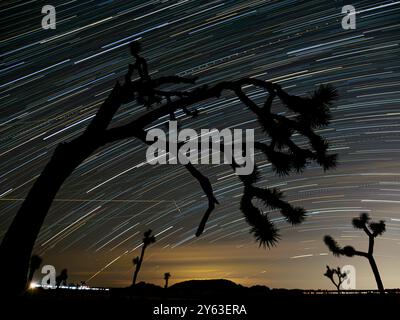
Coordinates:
[363,222]
[312,112]
[285,155]
[262,228]
[273,199]
[148,238]
[330,272]
[332,245]
[336,249]
[251,178]
[378,228]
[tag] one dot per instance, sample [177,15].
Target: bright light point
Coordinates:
[33,285]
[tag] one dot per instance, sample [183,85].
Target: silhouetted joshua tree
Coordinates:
[304,116]
[167,275]
[35,263]
[336,276]
[61,279]
[148,239]
[372,230]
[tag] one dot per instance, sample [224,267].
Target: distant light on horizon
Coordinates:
[34,285]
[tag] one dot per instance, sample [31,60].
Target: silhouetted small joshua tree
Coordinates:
[167,275]
[148,239]
[35,263]
[335,275]
[61,279]
[372,230]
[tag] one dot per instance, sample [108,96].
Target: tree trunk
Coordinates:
[135,276]
[18,242]
[376,274]
[30,277]
[138,266]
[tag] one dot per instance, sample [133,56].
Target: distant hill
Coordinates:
[201,285]
[195,289]
[205,288]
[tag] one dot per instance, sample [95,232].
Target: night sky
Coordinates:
[53,81]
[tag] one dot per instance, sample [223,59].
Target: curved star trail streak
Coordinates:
[52,82]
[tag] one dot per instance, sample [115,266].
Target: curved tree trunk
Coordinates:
[18,242]
[30,276]
[375,270]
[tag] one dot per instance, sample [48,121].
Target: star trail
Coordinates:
[53,81]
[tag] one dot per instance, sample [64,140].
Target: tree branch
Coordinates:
[202,179]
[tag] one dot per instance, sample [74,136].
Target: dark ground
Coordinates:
[259,302]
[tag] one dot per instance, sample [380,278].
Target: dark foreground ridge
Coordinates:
[144,300]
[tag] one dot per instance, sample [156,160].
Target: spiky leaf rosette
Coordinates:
[281,163]
[332,245]
[261,227]
[294,215]
[277,130]
[313,111]
[319,144]
[361,221]
[329,273]
[299,160]
[340,274]
[265,232]
[378,228]
[148,238]
[316,108]
[328,162]
[273,198]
